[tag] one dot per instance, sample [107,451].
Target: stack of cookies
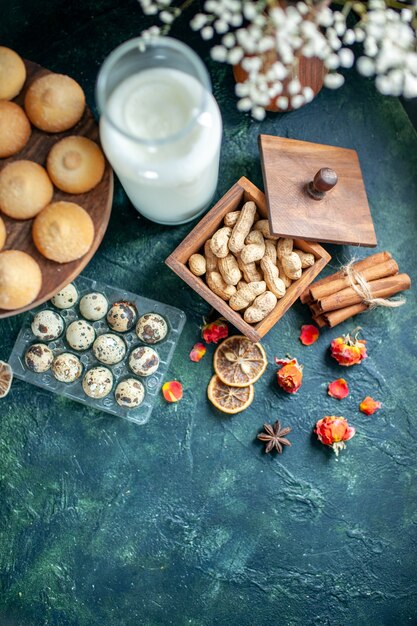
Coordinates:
[62,231]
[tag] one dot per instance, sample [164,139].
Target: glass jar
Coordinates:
[160,127]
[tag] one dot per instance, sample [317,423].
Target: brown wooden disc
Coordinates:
[97,202]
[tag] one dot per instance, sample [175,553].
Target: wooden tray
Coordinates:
[96,202]
[240,193]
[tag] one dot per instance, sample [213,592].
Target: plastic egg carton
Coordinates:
[174,317]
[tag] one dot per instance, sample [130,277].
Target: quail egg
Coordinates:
[151,328]
[93,306]
[129,393]
[80,335]
[47,325]
[66,298]
[121,316]
[109,348]
[39,357]
[98,382]
[143,361]
[67,367]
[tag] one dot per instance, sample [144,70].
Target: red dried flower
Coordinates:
[197,353]
[347,350]
[333,431]
[290,376]
[172,391]
[309,334]
[369,405]
[338,389]
[214,331]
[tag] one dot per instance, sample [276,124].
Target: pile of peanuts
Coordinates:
[247,266]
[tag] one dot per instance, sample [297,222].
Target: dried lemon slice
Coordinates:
[6,377]
[229,399]
[239,362]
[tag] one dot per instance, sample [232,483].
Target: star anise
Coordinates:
[274,437]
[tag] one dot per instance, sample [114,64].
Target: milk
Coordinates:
[162,133]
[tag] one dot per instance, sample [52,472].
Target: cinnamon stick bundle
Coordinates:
[332,300]
[382,288]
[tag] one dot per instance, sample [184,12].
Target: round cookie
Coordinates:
[75,164]
[129,393]
[109,349]
[47,325]
[14,128]
[67,367]
[80,335]
[143,361]
[151,328]
[3,233]
[66,298]
[54,103]
[121,316]
[38,358]
[12,73]
[25,189]
[98,382]
[63,232]
[93,306]
[20,279]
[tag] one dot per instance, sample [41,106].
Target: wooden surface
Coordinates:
[343,216]
[96,202]
[241,192]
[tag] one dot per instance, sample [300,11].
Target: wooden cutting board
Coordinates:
[342,216]
[96,202]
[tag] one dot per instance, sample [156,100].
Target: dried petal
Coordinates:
[309,334]
[172,391]
[369,405]
[197,352]
[214,331]
[333,431]
[338,389]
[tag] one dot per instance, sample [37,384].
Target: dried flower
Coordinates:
[172,391]
[268,39]
[290,376]
[369,405]
[309,334]
[333,431]
[347,350]
[214,331]
[338,389]
[197,353]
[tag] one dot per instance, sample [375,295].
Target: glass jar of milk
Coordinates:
[160,127]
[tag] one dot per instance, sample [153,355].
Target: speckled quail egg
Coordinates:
[67,367]
[80,335]
[151,328]
[47,325]
[109,348]
[39,357]
[66,298]
[129,393]
[143,361]
[121,316]
[94,306]
[98,382]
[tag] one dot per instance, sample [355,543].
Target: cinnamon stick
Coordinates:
[382,288]
[360,266]
[333,318]
[319,320]
[380,270]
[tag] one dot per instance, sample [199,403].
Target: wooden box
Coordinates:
[241,192]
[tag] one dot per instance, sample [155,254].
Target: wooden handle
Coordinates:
[323,181]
